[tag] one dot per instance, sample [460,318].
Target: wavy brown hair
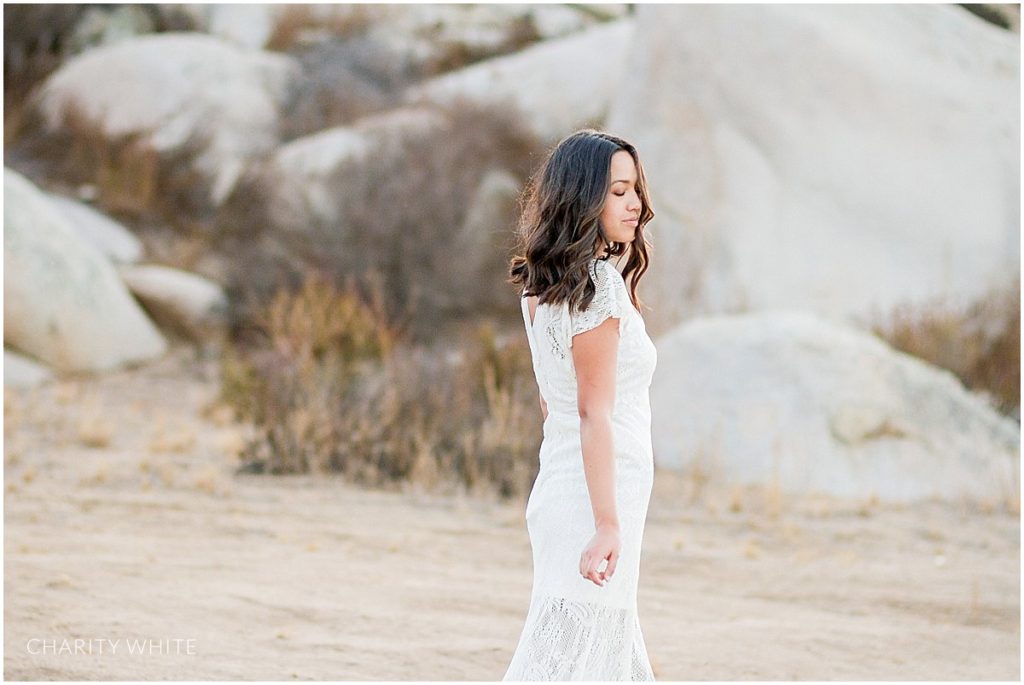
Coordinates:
[560,225]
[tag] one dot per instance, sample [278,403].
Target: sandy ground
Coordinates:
[163,564]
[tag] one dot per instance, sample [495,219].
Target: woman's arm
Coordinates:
[594,356]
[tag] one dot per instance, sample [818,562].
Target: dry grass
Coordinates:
[132,180]
[36,43]
[296,25]
[979,343]
[339,391]
[455,54]
[95,431]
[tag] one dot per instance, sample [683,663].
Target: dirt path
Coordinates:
[151,541]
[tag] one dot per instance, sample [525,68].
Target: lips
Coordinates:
[632,221]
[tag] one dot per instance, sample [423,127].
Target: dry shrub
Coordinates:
[399,214]
[979,343]
[299,27]
[37,40]
[405,214]
[340,82]
[298,24]
[455,54]
[132,180]
[330,390]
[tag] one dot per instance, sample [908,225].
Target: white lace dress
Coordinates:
[576,630]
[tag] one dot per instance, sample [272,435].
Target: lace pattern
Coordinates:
[574,640]
[606,302]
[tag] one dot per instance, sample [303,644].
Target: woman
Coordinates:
[594,362]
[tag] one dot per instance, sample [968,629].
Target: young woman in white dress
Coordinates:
[593,361]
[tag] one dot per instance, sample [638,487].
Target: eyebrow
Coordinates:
[622,180]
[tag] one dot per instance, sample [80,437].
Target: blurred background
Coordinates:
[247,242]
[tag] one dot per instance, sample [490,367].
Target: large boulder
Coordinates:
[558,85]
[837,158]
[301,176]
[169,87]
[110,237]
[22,372]
[815,405]
[64,303]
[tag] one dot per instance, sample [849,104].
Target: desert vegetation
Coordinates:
[332,386]
[980,343]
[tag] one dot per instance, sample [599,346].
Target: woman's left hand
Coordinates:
[604,545]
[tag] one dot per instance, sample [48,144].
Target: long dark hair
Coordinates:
[560,222]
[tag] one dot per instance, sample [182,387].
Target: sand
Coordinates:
[128,531]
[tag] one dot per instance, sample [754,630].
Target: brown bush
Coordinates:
[340,82]
[297,24]
[455,54]
[330,389]
[979,343]
[132,180]
[398,214]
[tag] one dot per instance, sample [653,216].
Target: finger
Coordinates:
[594,578]
[613,560]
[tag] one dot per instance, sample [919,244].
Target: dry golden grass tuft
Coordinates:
[979,343]
[95,430]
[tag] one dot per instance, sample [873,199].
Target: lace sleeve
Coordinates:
[607,301]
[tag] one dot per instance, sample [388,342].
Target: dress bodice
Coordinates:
[551,335]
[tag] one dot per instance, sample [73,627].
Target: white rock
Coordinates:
[22,372]
[816,405]
[559,85]
[64,303]
[302,194]
[170,86]
[247,25]
[196,304]
[836,158]
[112,238]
